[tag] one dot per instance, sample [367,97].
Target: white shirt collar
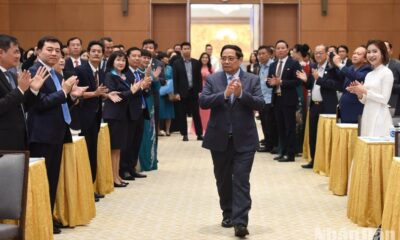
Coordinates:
[3,69]
[235,75]
[45,65]
[93,68]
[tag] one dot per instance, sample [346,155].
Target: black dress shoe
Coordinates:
[185,138]
[227,223]
[57,224]
[263,149]
[274,151]
[200,138]
[56,230]
[96,199]
[127,176]
[119,185]
[97,195]
[125,183]
[279,157]
[138,175]
[241,231]
[286,159]
[308,165]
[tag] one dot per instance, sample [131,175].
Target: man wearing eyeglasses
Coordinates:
[232,95]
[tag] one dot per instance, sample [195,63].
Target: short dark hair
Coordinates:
[45,39]
[382,47]
[149,41]
[72,39]
[266,47]
[145,53]
[161,55]
[302,49]
[128,52]
[177,44]
[208,45]
[103,39]
[333,46]
[186,44]
[282,41]
[94,42]
[111,59]
[6,41]
[237,49]
[344,47]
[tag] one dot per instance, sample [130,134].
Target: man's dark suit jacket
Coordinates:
[181,84]
[289,81]
[394,100]
[69,69]
[330,82]
[350,106]
[240,114]
[13,135]
[45,119]
[117,111]
[88,107]
[135,101]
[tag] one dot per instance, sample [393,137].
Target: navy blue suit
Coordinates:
[137,113]
[350,107]
[13,134]
[48,130]
[232,137]
[285,104]
[89,112]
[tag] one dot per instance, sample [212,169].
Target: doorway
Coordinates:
[220,24]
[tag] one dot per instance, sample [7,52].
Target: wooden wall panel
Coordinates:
[169,25]
[280,22]
[4,16]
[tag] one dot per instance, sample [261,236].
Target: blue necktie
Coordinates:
[10,79]
[64,106]
[137,78]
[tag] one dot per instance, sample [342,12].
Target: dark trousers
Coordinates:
[315,111]
[269,128]
[91,135]
[190,105]
[232,173]
[52,154]
[286,120]
[130,151]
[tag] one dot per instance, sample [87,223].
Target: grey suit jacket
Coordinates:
[239,114]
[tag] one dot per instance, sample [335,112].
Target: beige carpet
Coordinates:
[179,201]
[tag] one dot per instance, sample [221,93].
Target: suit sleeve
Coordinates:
[11,101]
[208,99]
[253,99]
[113,86]
[48,100]
[330,81]
[396,76]
[293,81]
[175,77]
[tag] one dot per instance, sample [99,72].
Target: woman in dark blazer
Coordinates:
[116,113]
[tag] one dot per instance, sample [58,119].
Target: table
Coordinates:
[323,147]
[369,178]
[104,183]
[344,137]
[306,143]
[391,211]
[38,220]
[75,194]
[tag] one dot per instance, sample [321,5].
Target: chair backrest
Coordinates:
[14,167]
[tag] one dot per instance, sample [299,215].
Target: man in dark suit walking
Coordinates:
[17,95]
[323,83]
[187,86]
[282,77]
[232,95]
[49,119]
